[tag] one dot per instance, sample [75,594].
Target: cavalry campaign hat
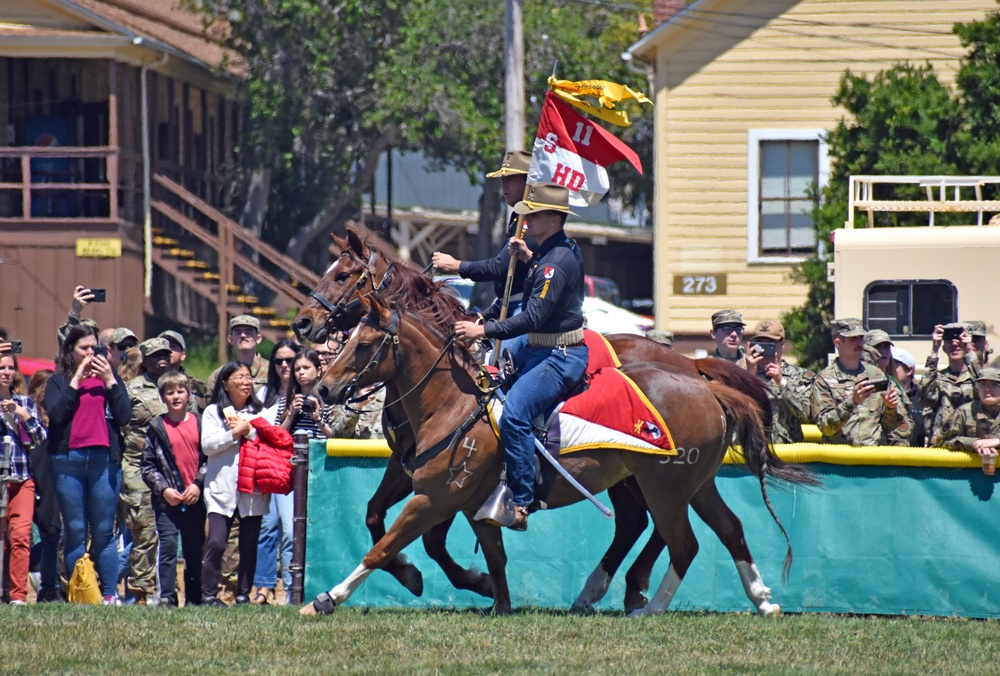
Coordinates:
[727,317]
[176,337]
[769,328]
[544,197]
[877,337]
[515,163]
[244,320]
[848,328]
[153,345]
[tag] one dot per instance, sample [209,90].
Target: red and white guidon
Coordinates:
[573,151]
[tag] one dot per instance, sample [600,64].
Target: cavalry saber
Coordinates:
[572,481]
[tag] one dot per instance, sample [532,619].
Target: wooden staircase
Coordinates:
[223,265]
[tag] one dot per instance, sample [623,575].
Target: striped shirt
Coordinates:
[305,421]
[24,435]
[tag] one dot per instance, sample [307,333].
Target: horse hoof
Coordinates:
[769,610]
[308,609]
[634,603]
[582,609]
[411,578]
[500,610]
[321,605]
[638,612]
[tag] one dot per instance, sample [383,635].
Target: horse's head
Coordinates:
[369,356]
[334,303]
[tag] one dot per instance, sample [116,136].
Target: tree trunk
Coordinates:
[338,211]
[491,236]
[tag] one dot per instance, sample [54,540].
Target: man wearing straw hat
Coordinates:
[555,356]
[513,175]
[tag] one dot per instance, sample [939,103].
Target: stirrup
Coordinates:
[324,604]
[507,371]
[498,510]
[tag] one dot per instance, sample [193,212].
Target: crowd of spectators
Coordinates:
[870,395]
[120,453]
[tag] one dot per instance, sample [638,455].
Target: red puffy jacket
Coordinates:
[266,460]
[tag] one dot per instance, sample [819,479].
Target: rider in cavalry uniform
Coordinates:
[555,357]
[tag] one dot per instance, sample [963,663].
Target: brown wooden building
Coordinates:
[98,99]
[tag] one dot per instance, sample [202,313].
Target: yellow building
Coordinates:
[742,91]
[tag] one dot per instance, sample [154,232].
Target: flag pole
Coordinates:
[520,230]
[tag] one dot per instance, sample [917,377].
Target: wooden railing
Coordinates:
[232,244]
[58,194]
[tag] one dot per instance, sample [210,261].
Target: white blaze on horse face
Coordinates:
[757,592]
[343,591]
[330,269]
[663,596]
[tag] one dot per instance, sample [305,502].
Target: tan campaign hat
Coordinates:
[153,345]
[848,328]
[727,317]
[176,337]
[121,334]
[244,320]
[989,373]
[876,337]
[515,163]
[769,328]
[544,197]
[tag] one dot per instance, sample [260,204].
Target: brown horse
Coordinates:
[438,379]
[367,265]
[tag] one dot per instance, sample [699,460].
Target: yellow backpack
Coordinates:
[83,587]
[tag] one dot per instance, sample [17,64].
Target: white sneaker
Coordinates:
[112,600]
[18,602]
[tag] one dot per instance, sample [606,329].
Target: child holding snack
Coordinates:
[173,466]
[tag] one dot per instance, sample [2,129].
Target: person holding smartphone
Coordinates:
[87,406]
[944,391]
[789,387]
[845,405]
[82,297]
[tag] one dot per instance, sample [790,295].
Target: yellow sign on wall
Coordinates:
[99,247]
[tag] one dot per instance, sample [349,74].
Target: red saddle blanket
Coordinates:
[613,400]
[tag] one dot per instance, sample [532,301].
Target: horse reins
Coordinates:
[336,312]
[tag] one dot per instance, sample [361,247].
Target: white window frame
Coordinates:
[754,138]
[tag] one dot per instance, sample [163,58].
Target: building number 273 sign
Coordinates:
[700,285]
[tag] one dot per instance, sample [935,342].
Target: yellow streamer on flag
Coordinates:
[608,93]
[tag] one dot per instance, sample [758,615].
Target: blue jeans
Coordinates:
[546,373]
[87,485]
[277,521]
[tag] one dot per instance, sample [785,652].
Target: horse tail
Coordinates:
[759,460]
[753,437]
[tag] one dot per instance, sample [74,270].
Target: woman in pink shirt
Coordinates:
[87,407]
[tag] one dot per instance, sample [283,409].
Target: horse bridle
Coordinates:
[335,313]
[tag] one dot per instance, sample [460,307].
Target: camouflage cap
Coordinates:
[153,345]
[661,336]
[847,328]
[727,317]
[769,328]
[121,334]
[244,320]
[877,337]
[515,163]
[989,373]
[976,328]
[176,337]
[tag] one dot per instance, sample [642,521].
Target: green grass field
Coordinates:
[77,639]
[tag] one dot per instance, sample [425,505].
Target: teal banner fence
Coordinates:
[873,540]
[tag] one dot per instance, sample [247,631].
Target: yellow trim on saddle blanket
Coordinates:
[607,344]
[652,409]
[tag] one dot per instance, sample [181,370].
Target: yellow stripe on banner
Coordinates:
[659,419]
[837,454]
[357,448]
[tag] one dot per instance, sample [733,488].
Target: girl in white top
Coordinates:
[224,425]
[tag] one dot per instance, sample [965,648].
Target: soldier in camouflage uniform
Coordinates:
[845,406]
[878,353]
[727,332]
[661,336]
[368,425]
[788,386]
[135,495]
[178,353]
[244,337]
[976,425]
[902,367]
[942,392]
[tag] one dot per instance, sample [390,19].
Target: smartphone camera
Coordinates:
[952,334]
[881,385]
[15,347]
[101,350]
[100,295]
[766,349]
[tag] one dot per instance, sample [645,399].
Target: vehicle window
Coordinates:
[910,308]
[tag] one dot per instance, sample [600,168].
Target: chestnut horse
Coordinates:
[367,264]
[438,377]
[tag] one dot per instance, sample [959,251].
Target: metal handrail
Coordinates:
[861,196]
